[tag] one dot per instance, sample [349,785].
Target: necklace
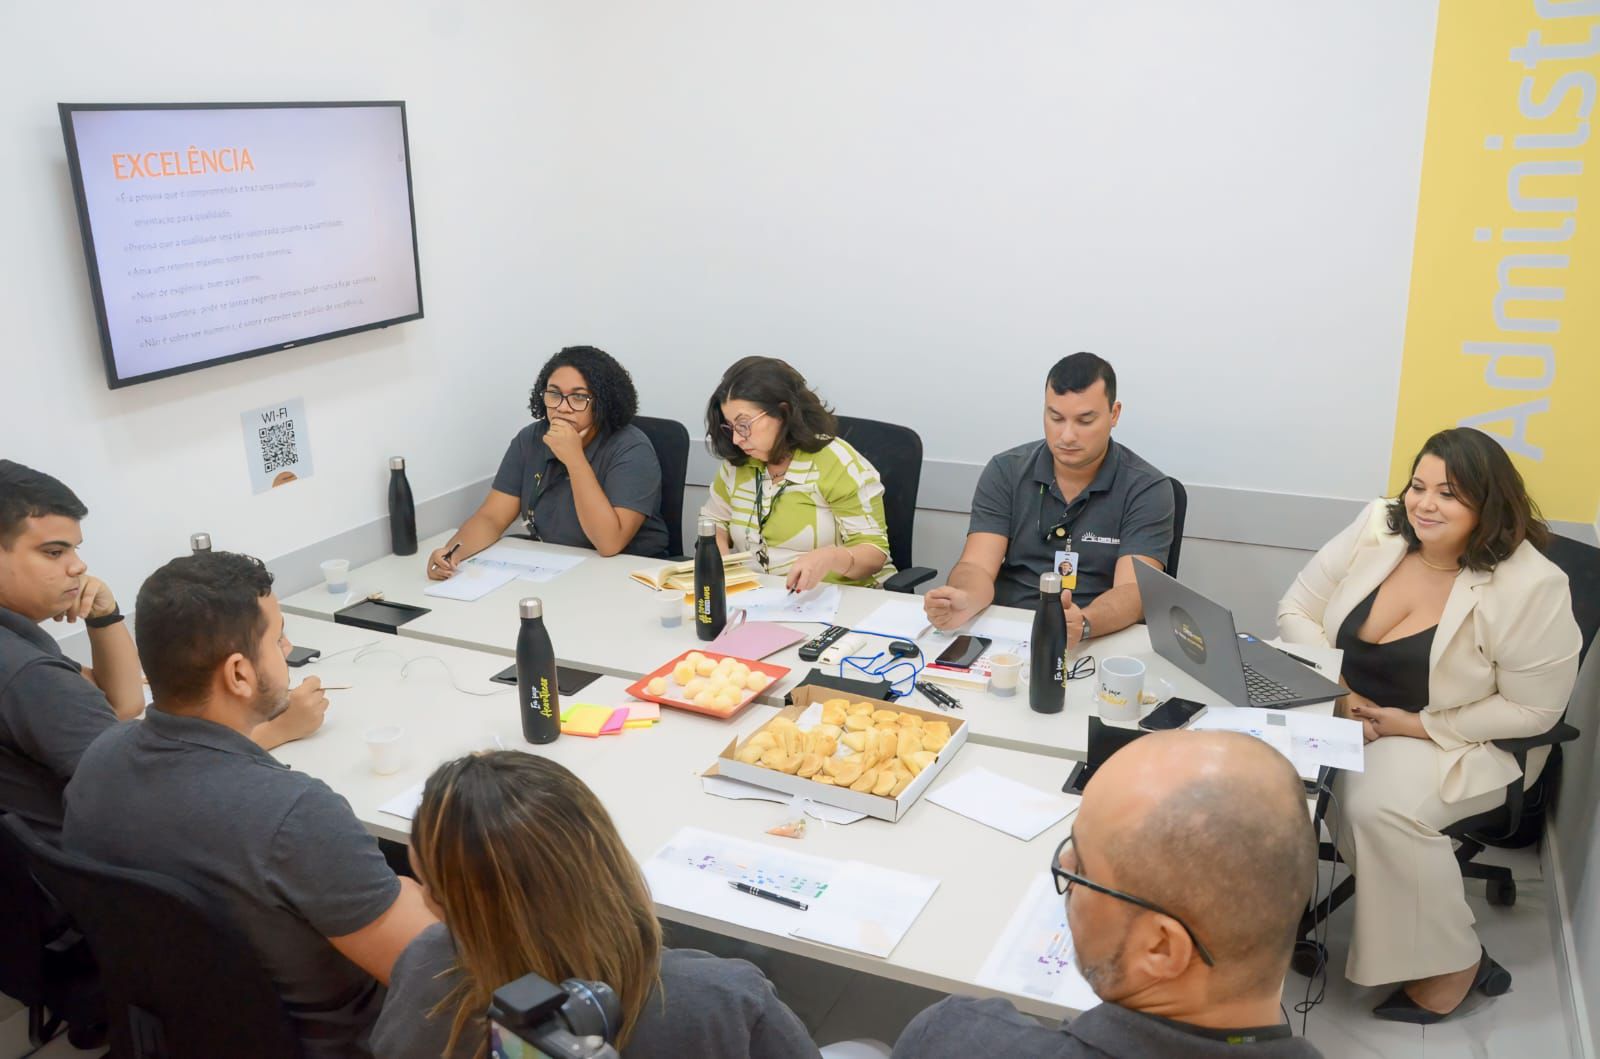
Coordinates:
[1454,568]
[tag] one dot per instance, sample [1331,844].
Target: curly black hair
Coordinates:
[780,391]
[616,402]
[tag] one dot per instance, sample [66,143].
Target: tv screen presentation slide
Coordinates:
[217,232]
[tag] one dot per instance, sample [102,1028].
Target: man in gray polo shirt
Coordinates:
[1077,502]
[187,793]
[1185,873]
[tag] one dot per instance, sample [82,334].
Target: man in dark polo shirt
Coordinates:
[1077,503]
[187,793]
[1187,868]
[51,708]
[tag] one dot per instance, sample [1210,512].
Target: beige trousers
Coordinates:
[1411,915]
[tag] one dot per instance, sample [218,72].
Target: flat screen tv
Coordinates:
[219,231]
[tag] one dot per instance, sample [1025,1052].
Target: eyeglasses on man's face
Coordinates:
[1066,880]
[741,427]
[577,400]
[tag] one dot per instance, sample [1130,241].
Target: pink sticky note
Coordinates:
[643,713]
[614,724]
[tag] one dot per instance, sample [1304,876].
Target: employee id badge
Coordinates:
[1067,567]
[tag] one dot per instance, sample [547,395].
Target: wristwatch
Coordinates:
[105,620]
[1086,633]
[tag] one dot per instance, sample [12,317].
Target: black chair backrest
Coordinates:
[1581,563]
[1180,508]
[671,441]
[30,923]
[180,979]
[896,452]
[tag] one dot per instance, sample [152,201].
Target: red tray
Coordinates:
[637,689]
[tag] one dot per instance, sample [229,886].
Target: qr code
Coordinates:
[277,446]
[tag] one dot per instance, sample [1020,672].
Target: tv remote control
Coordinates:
[812,649]
[938,696]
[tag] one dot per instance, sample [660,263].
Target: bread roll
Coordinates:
[658,686]
[865,781]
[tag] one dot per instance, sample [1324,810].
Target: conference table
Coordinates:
[649,780]
[602,621]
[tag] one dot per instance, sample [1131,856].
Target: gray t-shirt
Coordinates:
[281,852]
[49,714]
[704,1006]
[625,464]
[1126,510]
[962,1027]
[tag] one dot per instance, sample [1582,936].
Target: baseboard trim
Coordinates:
[1577,1005]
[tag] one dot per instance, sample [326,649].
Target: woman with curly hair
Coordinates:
[807,504]
[581,474]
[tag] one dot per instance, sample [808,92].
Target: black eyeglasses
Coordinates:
[1066,880]
[577,401]
[1083,667]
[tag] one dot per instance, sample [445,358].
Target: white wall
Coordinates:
[157,461]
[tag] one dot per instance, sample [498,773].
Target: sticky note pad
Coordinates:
[643,714]
[615,722]
[584,719]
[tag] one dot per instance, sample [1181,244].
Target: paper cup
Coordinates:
[387,747]
[1005,673]
[336,572]
[669,608]
[1120,680]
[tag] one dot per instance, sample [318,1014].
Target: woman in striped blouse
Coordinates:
[807,504]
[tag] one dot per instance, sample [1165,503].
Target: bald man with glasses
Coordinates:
[1190,862]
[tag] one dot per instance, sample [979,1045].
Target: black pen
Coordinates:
[446,556]
[756,891]
[1302,661]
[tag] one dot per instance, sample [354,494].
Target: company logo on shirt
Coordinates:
[1095,538]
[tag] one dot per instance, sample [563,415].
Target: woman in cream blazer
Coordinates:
[1453,558]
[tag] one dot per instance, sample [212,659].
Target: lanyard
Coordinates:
[1059,533]
[540,480]
[761,520]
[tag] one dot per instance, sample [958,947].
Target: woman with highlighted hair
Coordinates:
[1456,632]
[527,874]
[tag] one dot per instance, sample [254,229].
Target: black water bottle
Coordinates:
[537,694]
[402,511]
[199,543]
[1047,686]
[710,584]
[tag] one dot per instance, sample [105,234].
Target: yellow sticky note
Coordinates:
[585,719]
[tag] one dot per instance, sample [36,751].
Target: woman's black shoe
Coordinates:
[1491,980]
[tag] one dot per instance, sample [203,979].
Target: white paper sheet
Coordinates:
[1004,804]
[897,617]
[778,604]
[1308,740]
[1034,955]
[871,907]
[404,805]
[525,565]
[867,908]
[470,583]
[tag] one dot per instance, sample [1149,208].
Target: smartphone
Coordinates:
[964,651]
[299,656]
[1174,713]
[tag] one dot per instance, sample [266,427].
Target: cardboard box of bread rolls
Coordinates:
[872,757]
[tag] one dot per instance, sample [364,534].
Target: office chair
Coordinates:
[896,452]
[44,963]
[1180,509]
[1520,821]
[671,441]
[180,979]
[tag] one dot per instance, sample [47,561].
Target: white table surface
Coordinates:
[649,780]
[602,621]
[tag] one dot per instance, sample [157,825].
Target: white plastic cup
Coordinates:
[336,572]
[669,607]
[387,747]
[1005,673]
[1118,687]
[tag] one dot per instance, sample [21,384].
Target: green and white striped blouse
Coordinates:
[829,497]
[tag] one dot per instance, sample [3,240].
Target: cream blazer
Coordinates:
[1504,657]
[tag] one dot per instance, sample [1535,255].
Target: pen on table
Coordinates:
[756,891]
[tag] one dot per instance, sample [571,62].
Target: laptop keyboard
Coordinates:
[1264,690]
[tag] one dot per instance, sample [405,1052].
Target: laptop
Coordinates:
[1199,637]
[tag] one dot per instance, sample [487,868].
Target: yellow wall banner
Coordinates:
[1503,324]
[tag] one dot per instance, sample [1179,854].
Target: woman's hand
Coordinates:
[564,441]
[1386,720]
[808,570]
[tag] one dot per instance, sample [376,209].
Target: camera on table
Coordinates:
[532,1019]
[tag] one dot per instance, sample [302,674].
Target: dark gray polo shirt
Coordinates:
[624,462]
[704,1006]
[49,714]
[962,1027]
[1126,510]
[281,853]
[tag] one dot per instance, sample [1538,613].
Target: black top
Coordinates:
[1390,674]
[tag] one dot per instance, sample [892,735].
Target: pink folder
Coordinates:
[754,639]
